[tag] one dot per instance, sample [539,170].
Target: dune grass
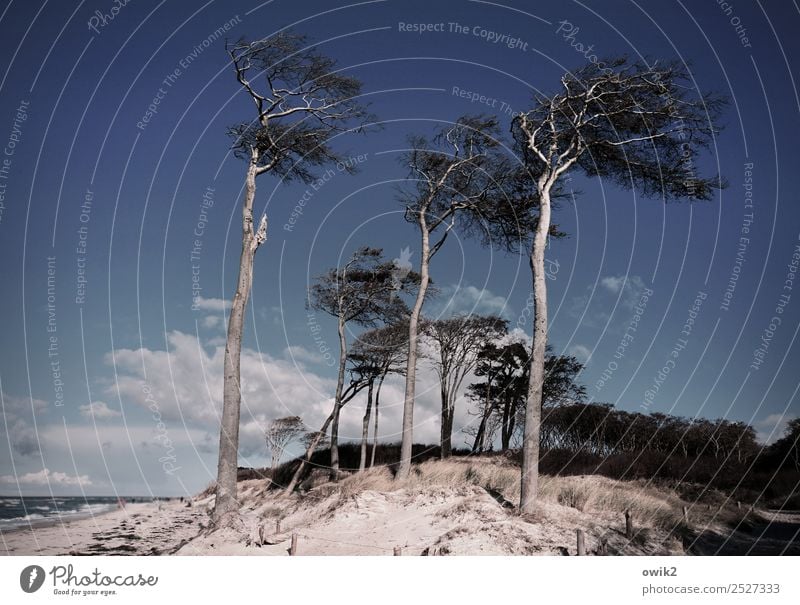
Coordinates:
[650,505]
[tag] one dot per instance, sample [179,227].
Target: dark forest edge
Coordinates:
[702,460]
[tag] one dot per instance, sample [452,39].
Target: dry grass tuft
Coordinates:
[650,506]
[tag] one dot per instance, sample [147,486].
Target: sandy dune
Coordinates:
[446,508]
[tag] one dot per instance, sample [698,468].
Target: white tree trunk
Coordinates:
[529,483]
[446,427]
[337,402]
[365,429]
[411,364]
[226,506]
[375,431]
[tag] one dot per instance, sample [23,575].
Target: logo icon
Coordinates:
[31,578]
[401,268]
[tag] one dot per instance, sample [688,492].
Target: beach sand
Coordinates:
[139,529]
[436,512]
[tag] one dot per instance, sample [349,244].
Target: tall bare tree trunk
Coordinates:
[529,484]
[365,429]
[411,365]
[505,429]
[446,433]
[477,446]
[226,506]
[375,430]
[337,402]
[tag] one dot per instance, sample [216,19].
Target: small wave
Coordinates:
[95,508]
[31,517]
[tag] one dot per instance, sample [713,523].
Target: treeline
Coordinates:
[691,454]
[603,430]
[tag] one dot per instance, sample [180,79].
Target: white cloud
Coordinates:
[771,428]
[18,413]
[455,299]
[615,293]
[581,352]
[212,321]
[99,410]
[612,283]
[47,477]
[211,304]
[184,384]
[515,335]
[301,354]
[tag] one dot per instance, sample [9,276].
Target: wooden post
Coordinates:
[685,515]
[398,552]
[581,543]
[293,549]
[628,524]
[278,526]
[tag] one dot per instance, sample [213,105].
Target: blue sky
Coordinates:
[140,371]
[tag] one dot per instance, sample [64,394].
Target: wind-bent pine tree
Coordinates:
[301,102]
[365,291]
[377,353]
[280,433]
[641,126]
[457,341]
[452,182]
[501,398]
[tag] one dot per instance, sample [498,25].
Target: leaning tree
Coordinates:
[643,127]
[301,102]
[451,182]
[319,439]
[377,353]
[364,291]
